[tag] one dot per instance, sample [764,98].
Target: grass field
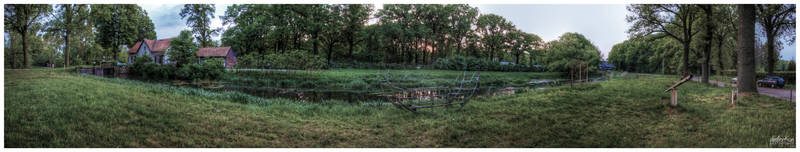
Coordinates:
[68,110]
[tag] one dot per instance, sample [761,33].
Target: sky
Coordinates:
[603,24]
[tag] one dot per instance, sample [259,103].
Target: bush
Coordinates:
[475,64]
[379,65]
[296,59]
[143,67]
[210,69]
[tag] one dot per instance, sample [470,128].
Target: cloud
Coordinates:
[168,21]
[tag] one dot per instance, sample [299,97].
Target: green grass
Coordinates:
[70,110]
[367,79]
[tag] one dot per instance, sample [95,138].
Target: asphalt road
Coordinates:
[774,92]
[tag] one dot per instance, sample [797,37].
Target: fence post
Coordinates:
[674,99]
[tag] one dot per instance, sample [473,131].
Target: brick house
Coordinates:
[225,53]
[157,49]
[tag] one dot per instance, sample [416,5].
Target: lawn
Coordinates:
[69,110]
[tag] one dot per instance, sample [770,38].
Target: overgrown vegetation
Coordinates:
[362,78]
[143,67]
[46,110]
[476,64]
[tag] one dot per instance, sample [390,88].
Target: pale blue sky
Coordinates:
[603,24]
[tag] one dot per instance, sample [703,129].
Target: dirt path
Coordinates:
[774,92]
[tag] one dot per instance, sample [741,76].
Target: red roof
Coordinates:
[135,48]
[155,45]
[213,51]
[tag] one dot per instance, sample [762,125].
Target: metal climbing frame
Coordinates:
[463,89]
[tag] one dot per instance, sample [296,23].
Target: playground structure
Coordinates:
[411,99]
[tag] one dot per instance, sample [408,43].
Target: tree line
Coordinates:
[339,33]
[43,33]
[700,38]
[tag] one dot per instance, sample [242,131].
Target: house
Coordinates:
[157,49]
[225,53]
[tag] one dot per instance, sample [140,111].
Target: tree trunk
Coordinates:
[706,66]
[719,55]
[68,15]
[11,48]
[351,42]
[685,60]
[770,53]
[316,44]
[330,52]
[26,56]
[746,72]
[458,48]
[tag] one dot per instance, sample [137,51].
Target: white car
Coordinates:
[733,81]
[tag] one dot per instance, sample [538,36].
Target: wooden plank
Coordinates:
[679,83]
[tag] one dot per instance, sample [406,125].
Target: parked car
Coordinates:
[734,80]
[605,66]
[771,81]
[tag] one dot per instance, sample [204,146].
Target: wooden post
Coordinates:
[734,96]
[674,99]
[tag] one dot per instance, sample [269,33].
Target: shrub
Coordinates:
[379,65]
[296,59]
[475,64]
[144,68]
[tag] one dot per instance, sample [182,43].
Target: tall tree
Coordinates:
[198,17]
[569,50]
[493,30]
[70,18]
[462,19]
[355,17]
[674,20]
[724,33]
[708,36]
[746,74]
[778,20]
[120,24]
[333,29]
[20,18]
[183,49]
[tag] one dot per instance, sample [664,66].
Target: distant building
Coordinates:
[225,53]
[157,49]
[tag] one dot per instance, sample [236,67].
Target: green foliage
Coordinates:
[144,67]
[492,29]
[462,63]
[120,24]
[22,18]
[198,17]
[569,50]
[296,59]
[636,55]
[182,49]
[210,69]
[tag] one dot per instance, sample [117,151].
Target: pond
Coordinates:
[360,95]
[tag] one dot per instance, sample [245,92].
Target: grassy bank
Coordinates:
[366,79]
[68,110]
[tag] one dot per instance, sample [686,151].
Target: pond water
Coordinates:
[364,95]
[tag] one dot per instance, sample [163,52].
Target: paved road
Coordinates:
[774,92]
